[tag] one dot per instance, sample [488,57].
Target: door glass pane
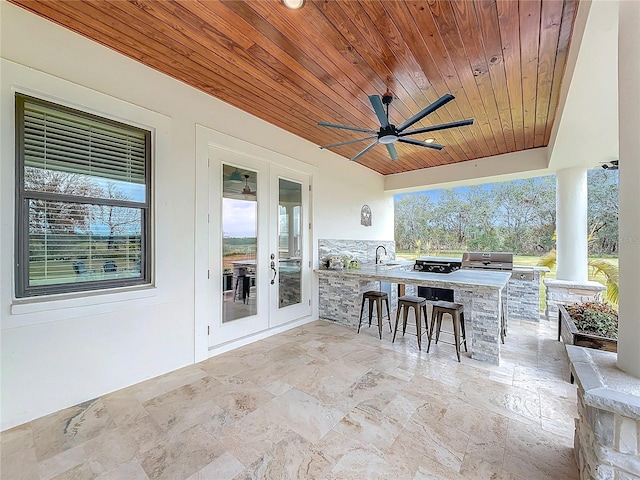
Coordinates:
[289,243]
[239,243]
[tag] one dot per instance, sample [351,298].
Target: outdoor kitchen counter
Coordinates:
[479,291]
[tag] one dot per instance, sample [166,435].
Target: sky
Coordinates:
[239,218]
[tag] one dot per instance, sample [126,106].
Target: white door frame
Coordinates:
[205,138]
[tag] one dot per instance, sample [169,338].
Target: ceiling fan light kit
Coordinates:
[247,189]
[388,133]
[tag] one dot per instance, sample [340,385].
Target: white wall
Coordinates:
[629,235]
[57,354]
[587,127]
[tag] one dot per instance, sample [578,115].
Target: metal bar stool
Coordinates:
[419,305]
[503,319]
[456,310]
[377,297]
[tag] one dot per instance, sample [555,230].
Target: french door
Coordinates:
[259,244]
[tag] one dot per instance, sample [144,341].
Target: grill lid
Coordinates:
[488,260]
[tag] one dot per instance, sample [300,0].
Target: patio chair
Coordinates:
[79,267]
[110,266]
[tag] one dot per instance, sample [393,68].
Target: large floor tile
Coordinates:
[321,402]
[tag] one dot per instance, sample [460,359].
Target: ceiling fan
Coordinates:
[247,189]
[389,134]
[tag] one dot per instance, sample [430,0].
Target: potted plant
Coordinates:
[589,324]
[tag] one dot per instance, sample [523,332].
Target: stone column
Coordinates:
[571,225]
[629,126]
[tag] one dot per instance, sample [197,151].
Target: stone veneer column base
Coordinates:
[607,435]
[563,291]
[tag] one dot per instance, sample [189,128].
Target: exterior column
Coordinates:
[629,239]
[571,225]
[572,277]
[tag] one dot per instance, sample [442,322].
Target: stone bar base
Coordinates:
[523,295]
[562,291]
[338,305]
[607,435]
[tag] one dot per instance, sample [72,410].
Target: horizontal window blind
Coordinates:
[61,141]
[71,243]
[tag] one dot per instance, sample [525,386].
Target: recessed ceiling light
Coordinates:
[294,4]
[429,140]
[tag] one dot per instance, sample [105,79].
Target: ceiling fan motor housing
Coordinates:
[388,134]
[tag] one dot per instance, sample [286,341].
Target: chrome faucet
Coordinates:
[378,256]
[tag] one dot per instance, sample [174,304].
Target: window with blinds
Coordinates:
[83,196]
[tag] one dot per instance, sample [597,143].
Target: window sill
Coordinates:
[61,307]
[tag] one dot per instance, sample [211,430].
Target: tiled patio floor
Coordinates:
[320,402]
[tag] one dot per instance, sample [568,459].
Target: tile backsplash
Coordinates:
[362,250]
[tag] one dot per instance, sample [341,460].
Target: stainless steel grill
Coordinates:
[488,261]
[437,265]
[492,261]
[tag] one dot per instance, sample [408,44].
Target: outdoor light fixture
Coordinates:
[294,4]
[235,177]
[429,140]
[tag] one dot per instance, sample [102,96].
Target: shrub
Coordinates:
[595,318]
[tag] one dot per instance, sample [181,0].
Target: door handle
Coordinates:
[275,272]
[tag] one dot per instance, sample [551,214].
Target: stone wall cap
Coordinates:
[606,386]
[573,284]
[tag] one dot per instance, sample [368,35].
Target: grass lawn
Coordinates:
[518,261]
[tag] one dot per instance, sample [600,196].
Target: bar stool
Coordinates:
[456,311]
[419,305]
[377,297]
[243,285]
[503,320]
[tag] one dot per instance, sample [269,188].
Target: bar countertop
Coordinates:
[395,272]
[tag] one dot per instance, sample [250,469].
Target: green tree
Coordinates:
[527,213]
[603,211]
[517,216]
[413,213]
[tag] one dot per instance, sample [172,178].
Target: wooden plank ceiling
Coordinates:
[503,60]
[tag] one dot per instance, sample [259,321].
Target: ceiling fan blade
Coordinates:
[349,141]
[376,102]
[346,127]
[392,151]
[442,126]
[420,143]
[365,150]
[426,111]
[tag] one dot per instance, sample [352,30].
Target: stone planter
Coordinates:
[572,336]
